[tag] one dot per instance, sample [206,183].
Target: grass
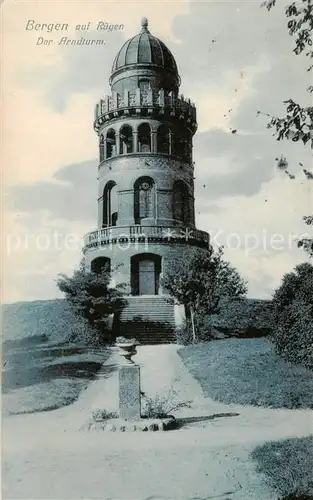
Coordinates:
[47,380]
[41,369]
[248,372]
[50,319]
[43,396]
[38,376]
[287,467]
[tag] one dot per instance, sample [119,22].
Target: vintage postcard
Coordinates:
[157,275]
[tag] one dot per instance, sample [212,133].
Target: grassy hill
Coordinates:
[42,370]
[48,319]
[52,320]
[248,372]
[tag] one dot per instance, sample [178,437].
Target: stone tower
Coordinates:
[146,179]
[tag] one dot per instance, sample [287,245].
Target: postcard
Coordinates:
[157,277]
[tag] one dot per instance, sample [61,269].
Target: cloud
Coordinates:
[71,194]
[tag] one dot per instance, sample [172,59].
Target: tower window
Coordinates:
[126,140]
[144,199]
[181,145]
[110,143]
[110,203]
[181,202]
[99,264]
[144,138]
[163,139]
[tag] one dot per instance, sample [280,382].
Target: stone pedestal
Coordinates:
[129,392]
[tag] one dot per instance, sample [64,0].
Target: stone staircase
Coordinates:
[148,318]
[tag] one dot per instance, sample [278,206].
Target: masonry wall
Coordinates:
[120,254]
[124,170]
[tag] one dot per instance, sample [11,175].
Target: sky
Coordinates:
[234,58]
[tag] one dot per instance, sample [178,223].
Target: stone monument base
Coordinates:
[142,425]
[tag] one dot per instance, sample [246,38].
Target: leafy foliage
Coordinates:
[237,318]
[297,124]
[91,297]
[200,280]
[162,405]
[293,316]
[244,318]
[307,243]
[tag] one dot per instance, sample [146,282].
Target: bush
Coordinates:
[183,333]
[241,318]
[93,301]
[162,405]
[293,316]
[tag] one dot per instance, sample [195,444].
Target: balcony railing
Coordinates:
[144,233]
[111,105]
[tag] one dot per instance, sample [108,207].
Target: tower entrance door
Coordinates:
[147,285]
[145,273]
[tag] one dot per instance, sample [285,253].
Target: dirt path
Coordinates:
[46,456]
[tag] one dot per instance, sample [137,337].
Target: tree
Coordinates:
[297,124]
[293,315]
[201,280]
[91,297]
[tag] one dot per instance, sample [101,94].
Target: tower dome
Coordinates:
[144,55]
[145,48]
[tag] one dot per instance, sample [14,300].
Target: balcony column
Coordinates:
[100,212]
[135,141]
[170,137]
[117,143]
[154,144]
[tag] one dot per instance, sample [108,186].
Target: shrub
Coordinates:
[237,317]
[101,415]
[293,316]
[200,280]
[183,333]
[161,406]
[92,300]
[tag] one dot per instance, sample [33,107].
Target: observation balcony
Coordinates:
[143,102]
[125,235]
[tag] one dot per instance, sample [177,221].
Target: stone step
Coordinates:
[156,323]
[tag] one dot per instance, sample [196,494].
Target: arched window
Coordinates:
[111,143]
[110,204]
[126,140]
[144,203]
[100,264]
[181,202]
[144,138]
[101,147]
[163,139]
[181,145]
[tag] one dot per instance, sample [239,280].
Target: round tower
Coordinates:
[146,174]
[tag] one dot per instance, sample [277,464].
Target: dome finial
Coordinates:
[144,24]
